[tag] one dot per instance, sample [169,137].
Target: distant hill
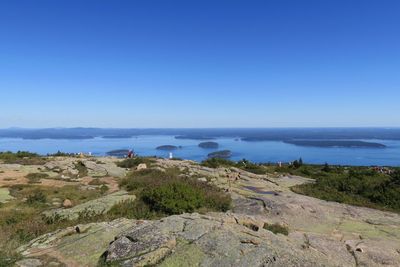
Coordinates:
[249,134]
[335,143]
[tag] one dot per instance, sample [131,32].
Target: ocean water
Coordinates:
[260,151]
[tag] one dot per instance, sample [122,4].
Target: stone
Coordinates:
[67,203]
[141,166]
[202,179]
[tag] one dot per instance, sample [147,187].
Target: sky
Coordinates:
[200,63]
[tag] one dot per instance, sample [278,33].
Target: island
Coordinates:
[335,143]
[167,147]
[223,154]
[194,137]
[208,145]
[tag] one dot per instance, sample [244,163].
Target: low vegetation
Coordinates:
[82,169]
[21,220]
[22,157]
[35,177]
[242,164]
[165,193]
[360,186]
[277,228]
[134,162]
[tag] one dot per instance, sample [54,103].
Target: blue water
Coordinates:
[263,151]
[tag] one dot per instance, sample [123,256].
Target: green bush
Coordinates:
[167,192]
[174,197]
[36,198]
[81,168]
[242,164]
[356,186]
[35,177]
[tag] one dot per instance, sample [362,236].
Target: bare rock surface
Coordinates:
[321,233]
[92,207]
[70,248]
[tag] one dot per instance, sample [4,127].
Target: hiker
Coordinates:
[130,154]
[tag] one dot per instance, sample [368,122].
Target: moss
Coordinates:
[185,255]
[277,228]
[35,177]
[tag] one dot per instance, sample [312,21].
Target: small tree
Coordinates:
[326,167]
[296,164]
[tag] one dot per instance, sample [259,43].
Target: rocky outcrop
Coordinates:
[67,167]
[320,233]
[215,240]
[67,247]
[96,206]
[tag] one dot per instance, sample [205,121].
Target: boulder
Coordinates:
[67,203]
[141,166]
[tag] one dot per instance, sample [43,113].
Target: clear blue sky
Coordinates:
[205,63]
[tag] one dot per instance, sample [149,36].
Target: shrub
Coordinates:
[167,192]
[82,169]
[174,197]
[35,177]
[242,164]
[133,209]
[357,186]
[36,198]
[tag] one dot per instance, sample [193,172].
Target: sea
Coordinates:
[256,151]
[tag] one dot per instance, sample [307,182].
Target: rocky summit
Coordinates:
[267,224]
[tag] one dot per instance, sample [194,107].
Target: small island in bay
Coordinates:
[335,143]
[167,147]
[208,145]
[223,154]
[194,137]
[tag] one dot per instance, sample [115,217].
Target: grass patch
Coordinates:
[35,177]
[21,220]
[277,228]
